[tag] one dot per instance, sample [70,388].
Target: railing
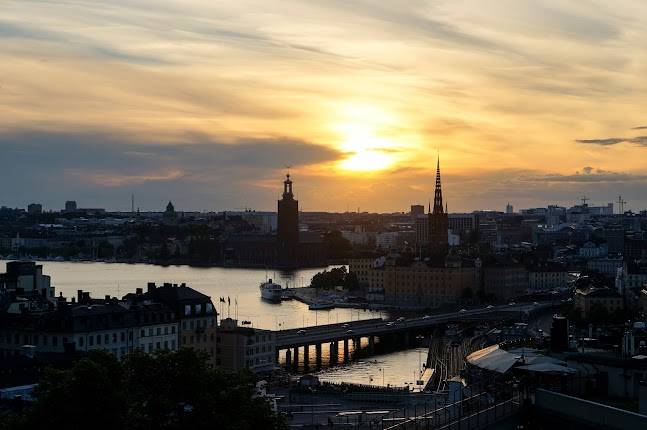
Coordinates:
[472,413]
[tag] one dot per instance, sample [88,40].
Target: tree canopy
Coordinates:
[167,390]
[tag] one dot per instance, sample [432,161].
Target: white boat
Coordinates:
[271,291]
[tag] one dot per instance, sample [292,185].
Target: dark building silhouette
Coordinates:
[288,226]
[438,221]
[288,249]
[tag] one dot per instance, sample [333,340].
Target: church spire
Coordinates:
[438,194]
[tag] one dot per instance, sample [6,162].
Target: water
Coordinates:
[241,286]
[397,369]
[238,285]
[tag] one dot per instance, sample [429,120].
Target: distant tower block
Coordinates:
[509,209]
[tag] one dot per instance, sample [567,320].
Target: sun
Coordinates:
[360,138]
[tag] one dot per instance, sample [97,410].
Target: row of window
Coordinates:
[157,331]
[197,309]
[191,324]
[27,339]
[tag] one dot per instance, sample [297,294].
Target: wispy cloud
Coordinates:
[610,141]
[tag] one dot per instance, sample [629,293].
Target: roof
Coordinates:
[170,293]
[493,359]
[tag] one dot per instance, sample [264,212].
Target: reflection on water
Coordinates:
[238,285]
[397,369]
[241,286]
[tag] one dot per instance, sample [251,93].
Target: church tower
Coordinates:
[288,226]
[438,221]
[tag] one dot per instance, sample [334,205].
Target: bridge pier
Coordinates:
[333,352]
[288,358]
[357,343]
[371,343]
[296,357]
[306,357]
[318,355]
[346,342]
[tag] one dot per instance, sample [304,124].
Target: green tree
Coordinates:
[167,390]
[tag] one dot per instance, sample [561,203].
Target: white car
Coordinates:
[426,317]
[301,331]
[489,307]
[463,310]
[401,319]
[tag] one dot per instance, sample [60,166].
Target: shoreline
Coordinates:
[175,263]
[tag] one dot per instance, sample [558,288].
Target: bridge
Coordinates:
[293,339]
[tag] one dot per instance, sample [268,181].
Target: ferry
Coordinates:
[271,291]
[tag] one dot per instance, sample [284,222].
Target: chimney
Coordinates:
[86,297]
[167,285]
[139,291]
[73,299]
[151,286]
[107,297]
[183,284]
[79,295]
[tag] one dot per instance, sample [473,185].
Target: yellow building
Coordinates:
[417,284]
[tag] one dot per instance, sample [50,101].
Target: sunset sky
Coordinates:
[205,102]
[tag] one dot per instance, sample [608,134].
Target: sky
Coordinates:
[206,103]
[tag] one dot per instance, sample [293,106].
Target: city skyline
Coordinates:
[205,104]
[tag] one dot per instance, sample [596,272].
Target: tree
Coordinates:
[166,390]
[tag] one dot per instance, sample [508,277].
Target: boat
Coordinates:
[271,291]
[316,306]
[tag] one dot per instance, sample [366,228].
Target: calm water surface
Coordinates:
[241,286]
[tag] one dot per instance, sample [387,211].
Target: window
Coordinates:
[173,329]
[142,333]
[81,341]
[98,339]
[159,331]
[209,308]
[187,309]
[90,340]
[106,338]
[198,309]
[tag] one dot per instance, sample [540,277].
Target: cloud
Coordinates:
[640,127]
[638,141]
[100,167]
[588,175]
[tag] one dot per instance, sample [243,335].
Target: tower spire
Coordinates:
[438,194]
